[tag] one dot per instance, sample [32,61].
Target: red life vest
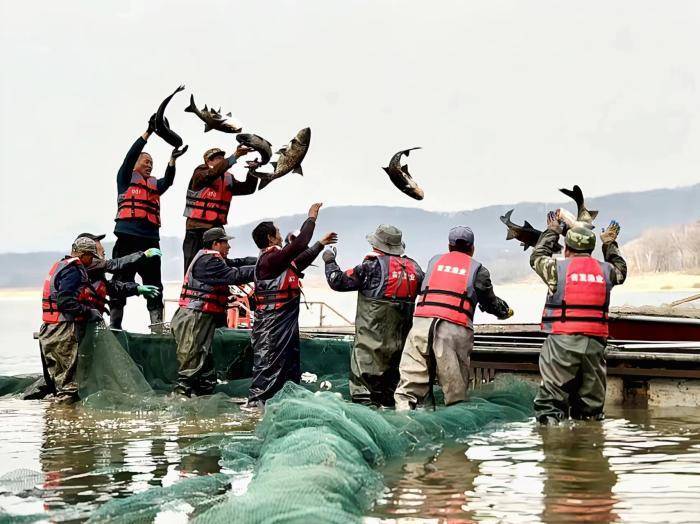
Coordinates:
[203,297]
[211,203]
[140,200]
[98,298]
[49,304]
[399,279]
[580,304]
[448,289]
[276,292]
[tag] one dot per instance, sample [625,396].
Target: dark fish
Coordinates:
[289,160]
[162,126]
[400,176]
[262,146]
[526,234]
[212,119]
[583,214]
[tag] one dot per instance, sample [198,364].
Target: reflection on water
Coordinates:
[644,467]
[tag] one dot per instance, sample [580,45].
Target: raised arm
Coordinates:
[611,254]
[127,167]
[541,259]
[214,271]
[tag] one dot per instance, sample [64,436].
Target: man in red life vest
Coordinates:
[387,283]
[209,195]
[572,359]
[442,336]
[138,222]
[203,301]
[66,302]
[104,287]
[275,336]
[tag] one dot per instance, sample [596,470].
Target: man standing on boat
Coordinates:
[203,301]
[209,195]
[275,336]
[67,306]
[442,335]
[387,282]
[138,222]
[572,359]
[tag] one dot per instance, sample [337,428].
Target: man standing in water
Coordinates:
[442,336]
[275,335]
[66,302]
[387,283]
[572,359]
[138,222]
[209,195]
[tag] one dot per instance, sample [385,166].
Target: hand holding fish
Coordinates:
[553,221]
[313,210]
[242,151]
[252,164]
[329,254]
[151,127]
[328,238]
[610,233]
[178,152]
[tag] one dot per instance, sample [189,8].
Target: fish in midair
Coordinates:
[526,234]
[212,118]
[289,160]
[583,215]
[400,176]
[259,144]
[162,126]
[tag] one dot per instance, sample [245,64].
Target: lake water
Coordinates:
[637,466]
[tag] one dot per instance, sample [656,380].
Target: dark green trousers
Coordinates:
[194,334]
[573,378]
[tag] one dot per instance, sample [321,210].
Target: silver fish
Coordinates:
[289,160]
[212,118]
[262,146]
[400,176]
[526,234]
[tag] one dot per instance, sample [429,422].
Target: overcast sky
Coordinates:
[509,100]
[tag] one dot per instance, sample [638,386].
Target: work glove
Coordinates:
[329,254]
[151,124]
[94,315]
[553,222]
[508,314]
[153,252]
[610,234]
[148,291]
[178,152]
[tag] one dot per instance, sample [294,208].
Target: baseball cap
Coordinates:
[215,234]
[84,246]
[212,152]
[580,238]
[96,238]
[463,233]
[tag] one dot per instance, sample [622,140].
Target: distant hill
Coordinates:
[425,232]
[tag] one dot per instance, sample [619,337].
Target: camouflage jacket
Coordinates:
[545,265]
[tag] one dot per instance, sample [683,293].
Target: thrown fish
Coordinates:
[526,234]
[400,176]
[290,158]
[212,118]
[583,214]
[262,146]
[162,126]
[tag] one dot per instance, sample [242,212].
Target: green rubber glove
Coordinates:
[153,252]
[148,291]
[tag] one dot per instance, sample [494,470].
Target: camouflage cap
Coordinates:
[212,152]
[84,246]
[580,238]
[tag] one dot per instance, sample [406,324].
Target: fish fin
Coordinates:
[207,127]
[205,107]
[281,150]
[228,114]
[525,246]
[274,164]
[407,151]
[593,214]
[298,170]
[386,170]
[574,194]
[510,235]
[219,110]
[404,170]
[192,108]
[527,224]
[506,218]
[264,181]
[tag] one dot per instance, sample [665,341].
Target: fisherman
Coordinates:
[67,308]
[275,336]
[203,302]
[103,287]
[209,195]
[572,359]
[442,335]
[387,282]
[138,221]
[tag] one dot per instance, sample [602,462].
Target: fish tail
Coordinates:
[192,108]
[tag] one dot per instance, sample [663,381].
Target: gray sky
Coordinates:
[509,99]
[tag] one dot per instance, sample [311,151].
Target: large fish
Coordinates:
[212,119]
[162,126]
[262,146]
[289,160]
[526,234]
[400,176]
[583,215]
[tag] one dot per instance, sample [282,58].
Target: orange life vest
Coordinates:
[276,292]
[448,289]
[398,280]
[211,204]
[140,200]
[203,297]
[580,304]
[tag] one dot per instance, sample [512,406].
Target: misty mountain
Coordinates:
[425,232]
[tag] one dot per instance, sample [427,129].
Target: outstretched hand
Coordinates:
[329,254]
[148,291]
[178,152]
[611,232]
[329,238]
[153,252]
[242,150]
[151,124]
[553,222]
[313,210]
